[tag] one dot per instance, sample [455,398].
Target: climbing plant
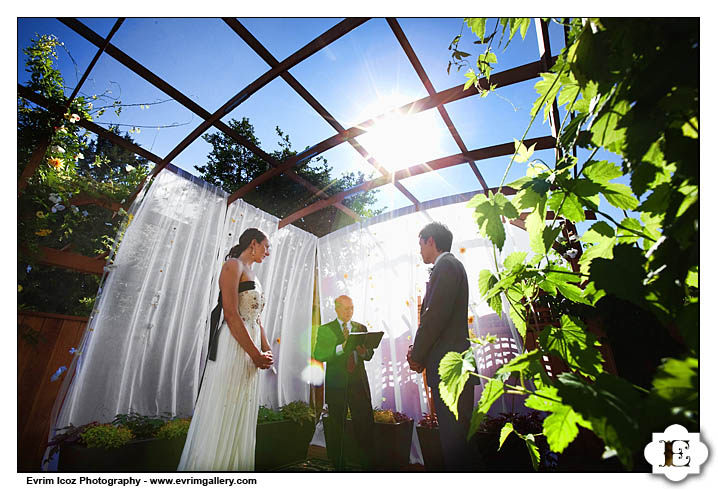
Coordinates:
[73,165]
[626,88]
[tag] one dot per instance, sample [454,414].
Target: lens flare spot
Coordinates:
[314,373]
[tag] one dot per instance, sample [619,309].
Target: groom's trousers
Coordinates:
[459,455]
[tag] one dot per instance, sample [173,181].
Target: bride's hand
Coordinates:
[269,356]
[263,359]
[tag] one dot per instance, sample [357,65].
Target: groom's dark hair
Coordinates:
[441,234]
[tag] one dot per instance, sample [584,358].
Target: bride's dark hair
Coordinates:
[244,240]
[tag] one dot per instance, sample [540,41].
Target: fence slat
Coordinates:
[36,393]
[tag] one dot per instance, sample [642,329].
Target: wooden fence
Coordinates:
[36,363]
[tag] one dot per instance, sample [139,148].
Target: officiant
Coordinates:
[346,384]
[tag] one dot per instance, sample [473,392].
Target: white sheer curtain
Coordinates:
[140,351]
[287,279]
[377,263]
[146,344]
[287,319]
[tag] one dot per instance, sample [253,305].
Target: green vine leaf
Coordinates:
[561,427]
[603,238]
[619,195]
[567,205]
[533,450]
[574,344]
[477,26]
[605,129]
[611,405]
[515,260]
[486,281]
[488,213]
[505,432]
[472,81]
[627,237]
[528,363]
[629,260]
[601,171]
[490,394]
[454,375]
[547,89]
[517,317]
[676,381]
[522,153]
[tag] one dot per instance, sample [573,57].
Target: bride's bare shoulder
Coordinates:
[232,266]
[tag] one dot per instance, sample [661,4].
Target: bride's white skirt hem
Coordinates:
[222,434]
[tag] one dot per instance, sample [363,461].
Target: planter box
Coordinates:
[431,448]
[392,444]
[281,443]
[154,455]
[513,456]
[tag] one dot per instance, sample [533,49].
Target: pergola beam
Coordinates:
[72,261]
[406,46]
[542,143]
[259,48]
[118,140]
[168,89]
[464,197]
[303,53]
[40,100]
[501,79]
[39,152]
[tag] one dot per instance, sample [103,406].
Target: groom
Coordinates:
[346,384]
[442,328]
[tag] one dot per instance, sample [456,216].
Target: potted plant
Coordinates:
[392,433]
[283,435]
[162,453]
[132,442]
[513,442]
[95,447]
[427,429]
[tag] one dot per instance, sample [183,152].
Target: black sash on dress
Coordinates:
[214,330]
[214,320]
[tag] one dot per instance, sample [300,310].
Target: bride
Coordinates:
[222,434]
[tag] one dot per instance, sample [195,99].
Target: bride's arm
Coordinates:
[229,286]
[265,343]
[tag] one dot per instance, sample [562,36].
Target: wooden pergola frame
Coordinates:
[438,100]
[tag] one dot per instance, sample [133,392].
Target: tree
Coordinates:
[230,166]
[621,91]
[73,166]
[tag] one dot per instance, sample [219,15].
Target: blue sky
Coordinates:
[360,75]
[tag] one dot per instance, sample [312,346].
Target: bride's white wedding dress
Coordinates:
[222,434]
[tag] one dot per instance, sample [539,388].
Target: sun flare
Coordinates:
[398,140]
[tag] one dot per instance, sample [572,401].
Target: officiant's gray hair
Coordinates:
[340,298]
[441,234]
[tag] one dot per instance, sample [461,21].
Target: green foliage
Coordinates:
[298,411]
[73,167]
[267,415]
[66,436]
[175,428]
[231,166]
[454,371]
[106,436]
[612,79]
[142,427]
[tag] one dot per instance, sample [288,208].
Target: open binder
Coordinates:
[370,340]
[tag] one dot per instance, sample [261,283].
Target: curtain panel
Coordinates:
[140,349]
